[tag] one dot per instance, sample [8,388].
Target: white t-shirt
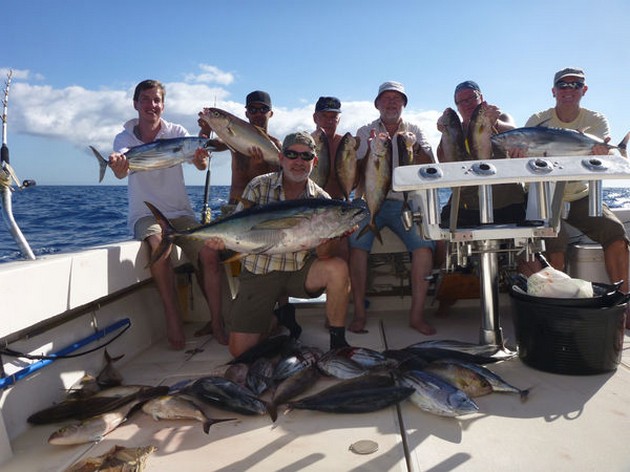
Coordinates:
[164,188]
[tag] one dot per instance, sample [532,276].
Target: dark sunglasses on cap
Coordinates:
[262,109]
[573,85]
[304,155]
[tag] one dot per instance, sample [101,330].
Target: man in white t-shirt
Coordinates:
[165,189]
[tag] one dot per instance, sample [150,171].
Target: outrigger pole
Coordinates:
[7,176]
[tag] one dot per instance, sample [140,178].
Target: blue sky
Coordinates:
[76,63]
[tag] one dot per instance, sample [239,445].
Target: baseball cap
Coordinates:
[258,96]
[394,86]
[328,104]
[568,72]
[467,85]
[299,137]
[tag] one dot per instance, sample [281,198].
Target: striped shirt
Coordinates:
[267,188]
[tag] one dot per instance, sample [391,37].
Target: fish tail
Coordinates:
[168,234]
[524,394]
[102,163]
[272,410]
[211,421]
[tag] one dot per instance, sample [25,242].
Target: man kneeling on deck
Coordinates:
[301,274]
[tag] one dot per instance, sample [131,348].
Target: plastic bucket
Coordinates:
[563,339]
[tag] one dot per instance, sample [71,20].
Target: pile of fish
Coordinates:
[440,377]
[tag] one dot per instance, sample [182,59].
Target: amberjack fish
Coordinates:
[405,141]
[95,428]
[275,228]
[346,164]
[434,395]
[479,133]
[175,407]
[321,170]
[468,380]
[453,141]
[239,135]
[540,141]
[158,154]
[496,382]
[84,408]
[378,178]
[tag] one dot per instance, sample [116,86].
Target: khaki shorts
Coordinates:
[147,226]
[604,229]
[252,310]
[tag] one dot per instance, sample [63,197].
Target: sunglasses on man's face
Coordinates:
[304,155]
[571,85]
[254,110]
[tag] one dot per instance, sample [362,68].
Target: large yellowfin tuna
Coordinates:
[275,228]
[346,164]
[239,135]
[406,140]
[158,154]
[321,170]
[378,178]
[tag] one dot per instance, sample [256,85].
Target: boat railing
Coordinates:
[546,178]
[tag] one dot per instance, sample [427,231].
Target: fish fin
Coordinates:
[237,256]
[109,358]
[168,234]
[211,421]
[102,163]
[524,394]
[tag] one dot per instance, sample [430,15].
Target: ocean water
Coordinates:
[61,219]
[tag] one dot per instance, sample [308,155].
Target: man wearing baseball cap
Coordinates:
[326,118]
[569,86]
[390,101]
[267,277]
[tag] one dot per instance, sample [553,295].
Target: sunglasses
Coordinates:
[254,110]
[572,85]
[304,155]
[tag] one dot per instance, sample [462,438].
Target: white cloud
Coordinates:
[211,74]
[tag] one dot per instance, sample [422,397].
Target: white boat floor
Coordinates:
[568,423]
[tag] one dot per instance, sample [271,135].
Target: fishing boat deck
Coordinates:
[568,423]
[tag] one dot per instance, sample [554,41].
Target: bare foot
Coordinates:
[175,333]
[424,327]
[358,326]
[220,335]
[217,331]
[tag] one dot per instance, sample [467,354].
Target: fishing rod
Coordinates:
[206,212]
[7,176]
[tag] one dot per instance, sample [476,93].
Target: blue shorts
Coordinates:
[390,215]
